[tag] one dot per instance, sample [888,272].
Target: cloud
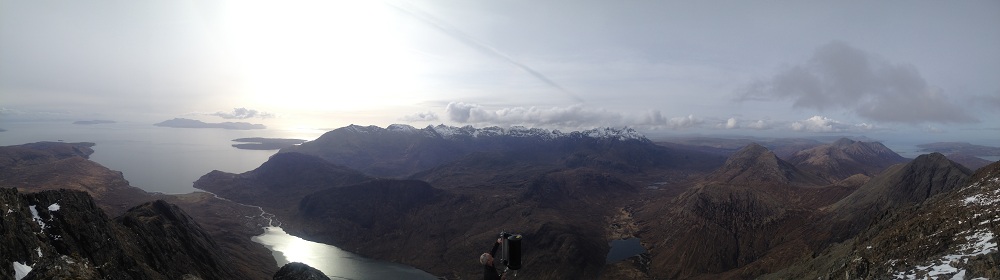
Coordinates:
[760,125]
[243,113]
[731,123]
[991,102]
[420,117]
[734,123]
[824,124]
[840,76]
[576,116]
[573,116]
[684,122]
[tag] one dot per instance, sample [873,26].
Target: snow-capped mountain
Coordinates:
[402,150]
[468,131]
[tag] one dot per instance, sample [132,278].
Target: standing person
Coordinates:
[486,259]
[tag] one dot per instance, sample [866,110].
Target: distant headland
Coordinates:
[260,143]
[189,123]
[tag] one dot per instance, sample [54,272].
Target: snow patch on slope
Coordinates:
[978,240]
[20,270]
[35,217]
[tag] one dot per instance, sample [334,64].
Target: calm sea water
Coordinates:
[156,159]
[169,160]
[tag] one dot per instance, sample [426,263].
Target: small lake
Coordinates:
[624,248]
[332,261]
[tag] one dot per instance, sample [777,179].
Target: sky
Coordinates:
[891,69]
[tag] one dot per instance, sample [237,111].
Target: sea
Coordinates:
[168,160]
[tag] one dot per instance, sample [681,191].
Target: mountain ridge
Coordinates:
[844,158]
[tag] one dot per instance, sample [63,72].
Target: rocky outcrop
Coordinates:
[67,229]
[176,239]
[57,166]
[948,236]
[299,271]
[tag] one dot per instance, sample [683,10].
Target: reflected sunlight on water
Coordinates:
[332,261]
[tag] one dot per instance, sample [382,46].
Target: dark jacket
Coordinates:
[490,272]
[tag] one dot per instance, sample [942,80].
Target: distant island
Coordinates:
[960,148]
[969,155]
[93,122]
[260,143]
[189,123]
[2,130]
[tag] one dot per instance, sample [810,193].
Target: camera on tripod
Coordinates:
[510,256]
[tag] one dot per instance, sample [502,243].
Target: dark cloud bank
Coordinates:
[841,76]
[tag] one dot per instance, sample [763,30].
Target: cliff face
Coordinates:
[152,241]
[167,238]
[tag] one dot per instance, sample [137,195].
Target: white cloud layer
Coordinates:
[575,116]
[734,123]
[243,113]
[421,117]
[824,125]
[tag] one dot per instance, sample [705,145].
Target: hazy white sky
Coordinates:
[893,68]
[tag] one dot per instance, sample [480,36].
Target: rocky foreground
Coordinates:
[64,216]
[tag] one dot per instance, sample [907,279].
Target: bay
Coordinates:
[168,160]
[156,159]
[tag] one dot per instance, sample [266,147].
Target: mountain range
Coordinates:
[700,213]
[435,198]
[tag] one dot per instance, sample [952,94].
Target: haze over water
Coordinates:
[155,159]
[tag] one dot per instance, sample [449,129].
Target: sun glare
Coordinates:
[318,55]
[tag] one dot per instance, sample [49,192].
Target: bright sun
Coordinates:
[339,55]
